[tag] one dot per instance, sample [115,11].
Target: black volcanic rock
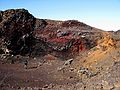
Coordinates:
[16,28]
[23,34]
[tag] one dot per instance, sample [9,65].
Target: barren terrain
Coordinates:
[40,54]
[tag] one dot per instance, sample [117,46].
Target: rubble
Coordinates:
[87,72]
[50,54]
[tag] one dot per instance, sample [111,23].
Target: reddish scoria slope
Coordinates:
[21,33]
[67,38]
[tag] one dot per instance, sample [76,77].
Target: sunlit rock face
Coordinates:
[22,33]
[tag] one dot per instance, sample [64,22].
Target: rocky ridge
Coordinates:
[23,34]
[56,55]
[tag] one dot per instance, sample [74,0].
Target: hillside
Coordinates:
[42,54]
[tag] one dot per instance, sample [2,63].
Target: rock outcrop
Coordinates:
[16,27]
[56,55]
[67,38]
[23,34]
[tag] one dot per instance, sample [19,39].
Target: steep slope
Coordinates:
[22,33]
[68,36]
[16,27]
[42,54]
[97,66]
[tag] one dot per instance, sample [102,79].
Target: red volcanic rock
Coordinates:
[24,34]
[65,46]
[68,49]
[66,38]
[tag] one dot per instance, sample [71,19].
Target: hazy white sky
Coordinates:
[103,14]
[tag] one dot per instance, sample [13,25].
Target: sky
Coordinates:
[102,14]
